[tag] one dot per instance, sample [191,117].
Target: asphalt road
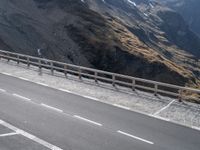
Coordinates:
[72,122]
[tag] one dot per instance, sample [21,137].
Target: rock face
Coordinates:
[189,10]
[139,38]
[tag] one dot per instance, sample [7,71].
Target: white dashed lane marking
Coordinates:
[51,107]
[135,137]
[21,97]
[87,120]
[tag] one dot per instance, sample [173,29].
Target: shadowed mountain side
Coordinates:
[4,46]
[188,9]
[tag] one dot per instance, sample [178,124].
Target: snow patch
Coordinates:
[132,2]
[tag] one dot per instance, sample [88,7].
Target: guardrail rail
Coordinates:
[99,75]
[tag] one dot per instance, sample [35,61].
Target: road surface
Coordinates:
[34,117]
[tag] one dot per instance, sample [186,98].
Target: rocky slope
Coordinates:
[115,35]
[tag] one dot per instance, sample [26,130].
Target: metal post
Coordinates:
[133,84]
[180,95]
[28,62]
[155,89]
[113,80]
[40,66]
[96,74]
[65,70]
[79,73]
[17,59]
[8,57]
[51,64]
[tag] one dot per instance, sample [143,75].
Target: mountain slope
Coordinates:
[150,22]
[4,46]
[189,9]
[119,36]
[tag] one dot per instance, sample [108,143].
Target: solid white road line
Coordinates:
[156,113]
[63,90]
[23,78]
[43,84]
[161,118]
[88,97]
[8,74]
[53,108]
[87,120]
[8,134]
[21,97]
[135,137]
[2,90]
[29,136]
[1,121]
[197,128]
[124,107]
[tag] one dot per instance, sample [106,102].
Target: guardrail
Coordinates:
[99,75]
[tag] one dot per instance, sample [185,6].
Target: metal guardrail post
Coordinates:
[79,73]
[155,89]
[180,95]
[0,55]
[133,84]
[40,66]
[51,65]
[65,70]
[28,62]
[95,76]
[113,80]
[8,59]
[17,59]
